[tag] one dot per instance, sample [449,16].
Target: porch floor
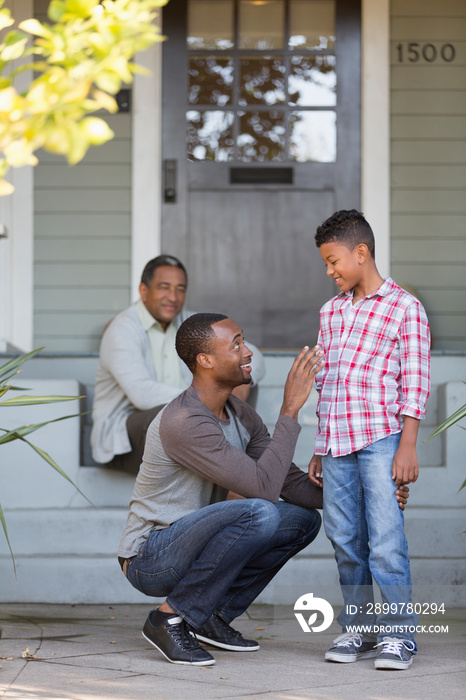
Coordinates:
[97,652]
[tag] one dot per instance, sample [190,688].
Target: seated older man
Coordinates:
[139,371]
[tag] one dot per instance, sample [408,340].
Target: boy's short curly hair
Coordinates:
[196,335]
[347,227]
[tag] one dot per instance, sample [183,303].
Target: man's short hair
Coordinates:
[196,335]
[160,261]
[347,227]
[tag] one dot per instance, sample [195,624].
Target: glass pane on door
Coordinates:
[261,136]
[313,137]
[210,135]
[261,80]
[312,24]
[210,24]
[210,80]
[312,81]
[261,24]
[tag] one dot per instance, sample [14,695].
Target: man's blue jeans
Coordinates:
[360,507]
[219,558]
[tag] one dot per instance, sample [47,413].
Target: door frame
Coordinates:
[375,141]
[375,124]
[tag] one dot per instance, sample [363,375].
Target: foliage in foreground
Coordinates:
[451,420]
[80,60]
[7,372]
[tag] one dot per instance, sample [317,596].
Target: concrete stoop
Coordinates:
[65,548]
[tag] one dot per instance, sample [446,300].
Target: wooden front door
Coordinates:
[261,143]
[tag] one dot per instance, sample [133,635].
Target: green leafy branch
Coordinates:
[81,61]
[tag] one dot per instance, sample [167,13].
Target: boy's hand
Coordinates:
[402,495]
[405,468]
[300,379]
[315,476]
[315,470]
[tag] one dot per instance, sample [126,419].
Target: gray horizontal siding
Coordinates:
[75,201]
[434,200]
[82,239]
[95,250]
[434,276]
[428,127]
[434,176]
[425,226]
[116,151]
[103,225]
[72,324]
[415,28]
[108,300]
[61,176]
[77,275]
[434,250]
[425,76]
[444,102]
[435,152]
[428,8]
[428,164]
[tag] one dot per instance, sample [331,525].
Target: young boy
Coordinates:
[373,392]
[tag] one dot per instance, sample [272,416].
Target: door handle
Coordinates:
[169,176]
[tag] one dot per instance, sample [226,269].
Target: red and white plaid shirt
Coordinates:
[377,368]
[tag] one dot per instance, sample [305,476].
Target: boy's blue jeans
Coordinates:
[360,507]
[219,558]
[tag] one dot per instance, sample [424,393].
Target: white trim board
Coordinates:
[375,126]
[16,250]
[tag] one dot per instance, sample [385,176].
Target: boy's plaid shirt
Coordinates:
[377,368]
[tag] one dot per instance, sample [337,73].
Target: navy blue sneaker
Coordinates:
[395,653]
[352,646]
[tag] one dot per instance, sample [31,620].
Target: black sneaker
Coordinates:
[176,644]
[395,653]
[218,633]
[352,646]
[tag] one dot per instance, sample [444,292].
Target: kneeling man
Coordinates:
[211,557]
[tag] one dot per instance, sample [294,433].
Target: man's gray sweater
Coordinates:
[190,461]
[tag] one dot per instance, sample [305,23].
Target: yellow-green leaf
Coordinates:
[8,97]
[34,400]
[17,433]
[5,19]
[2,520]
[96,130]
[56,10]
[6,188]
[33,26]
[451,420]
[18,361]
[105,101]
[80,8]
[53,464]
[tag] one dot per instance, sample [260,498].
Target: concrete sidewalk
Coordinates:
[97,652]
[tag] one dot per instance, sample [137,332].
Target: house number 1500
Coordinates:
[414,52]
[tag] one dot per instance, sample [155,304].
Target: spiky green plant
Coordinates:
[451,420]
[7,372]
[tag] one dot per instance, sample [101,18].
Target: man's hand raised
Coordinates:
[300,379]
